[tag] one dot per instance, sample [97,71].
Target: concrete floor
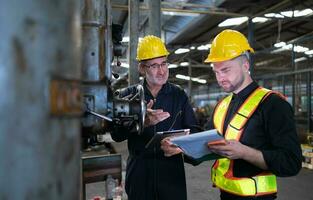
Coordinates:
[199,185]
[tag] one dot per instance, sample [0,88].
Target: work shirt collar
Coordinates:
[166,88]
[243,94]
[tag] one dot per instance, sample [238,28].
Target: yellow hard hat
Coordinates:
[151,47]
[227,45]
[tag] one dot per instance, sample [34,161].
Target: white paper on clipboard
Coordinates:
[196,145]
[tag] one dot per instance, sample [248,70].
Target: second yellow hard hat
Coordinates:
[227,45]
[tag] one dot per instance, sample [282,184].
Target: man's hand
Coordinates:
[169,148]
[233,149]
[230,149]
[154,116]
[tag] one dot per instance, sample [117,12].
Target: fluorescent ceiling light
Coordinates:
[184,64]
[126,65]
[275,15]
[192,47]
[204,47]
[279,44]
[233,21]
[126,39]
[287,47]
[172,66]
[297,13]
[310,52]
[300,59]
[199,80]
[305,12]
[300,49]
[283,46]
[259,19]
[182,50]
[173,13]
[180,76]
[288,13]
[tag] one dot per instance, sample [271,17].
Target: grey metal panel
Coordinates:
[93,50]
[93,11]
[39,153]
[98,102]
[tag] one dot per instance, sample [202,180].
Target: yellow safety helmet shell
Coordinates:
[227,45]
[151,47]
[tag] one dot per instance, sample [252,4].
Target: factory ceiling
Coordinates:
[190,26]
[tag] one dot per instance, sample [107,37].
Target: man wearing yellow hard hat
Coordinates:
[258,125]
[149,174]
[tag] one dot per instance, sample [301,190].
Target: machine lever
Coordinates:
[99,115]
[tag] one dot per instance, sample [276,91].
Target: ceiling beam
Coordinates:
[186,11]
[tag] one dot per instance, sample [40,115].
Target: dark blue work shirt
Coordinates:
[149,174]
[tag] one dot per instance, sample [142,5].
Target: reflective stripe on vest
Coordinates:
[222,170]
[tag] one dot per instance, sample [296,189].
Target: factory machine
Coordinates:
[103,108]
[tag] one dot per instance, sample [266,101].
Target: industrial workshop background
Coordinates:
[63,63]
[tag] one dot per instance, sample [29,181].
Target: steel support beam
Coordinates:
[251,42]
[155,17]
[186,11]
[133,41]
[309,100]
[190,81]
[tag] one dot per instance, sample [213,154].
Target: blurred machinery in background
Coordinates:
[104,108]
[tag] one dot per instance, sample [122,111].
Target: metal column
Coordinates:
[284,85]
[293,94]
[39,51]
[309,93]
[96,60]
[155,17]
[251,42]
[133,26]
[189,81]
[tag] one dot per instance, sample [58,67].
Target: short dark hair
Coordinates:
[245,57]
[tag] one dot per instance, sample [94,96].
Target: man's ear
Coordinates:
[246,65]
[141,69]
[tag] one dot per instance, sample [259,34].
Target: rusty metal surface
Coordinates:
[39,154]
[65,98]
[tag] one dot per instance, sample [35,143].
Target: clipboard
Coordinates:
[196,144]
[156,139]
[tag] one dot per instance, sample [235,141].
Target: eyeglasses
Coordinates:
[156,66]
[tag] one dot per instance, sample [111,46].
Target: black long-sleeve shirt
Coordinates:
[271,129]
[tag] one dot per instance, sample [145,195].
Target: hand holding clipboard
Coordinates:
[156,139]
[196,145]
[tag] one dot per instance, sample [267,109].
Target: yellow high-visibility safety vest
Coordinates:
[222,170]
